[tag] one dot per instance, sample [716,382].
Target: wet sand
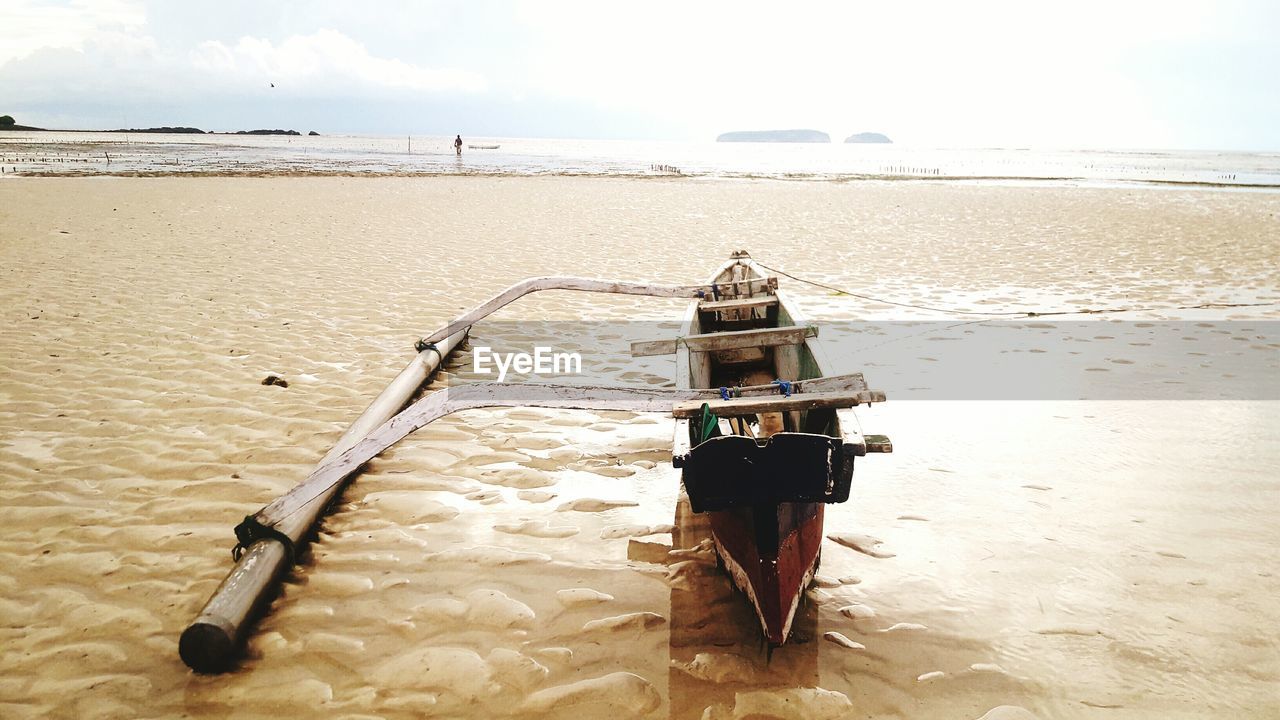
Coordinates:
[1076,559]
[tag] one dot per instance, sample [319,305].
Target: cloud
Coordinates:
[31,25]
[1101,73]
[322,63]
[105,73]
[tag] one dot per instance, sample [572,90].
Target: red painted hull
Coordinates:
[771,553]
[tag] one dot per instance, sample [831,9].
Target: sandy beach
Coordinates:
[1077,559]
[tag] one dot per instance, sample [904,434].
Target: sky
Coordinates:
[1103,74]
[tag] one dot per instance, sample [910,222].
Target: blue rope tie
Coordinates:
[784,387]
[724,393]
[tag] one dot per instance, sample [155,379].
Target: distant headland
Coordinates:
[8,123]
[198,131]
[867,137]
[780,136]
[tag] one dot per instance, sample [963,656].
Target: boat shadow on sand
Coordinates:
[720,663]
[716,645]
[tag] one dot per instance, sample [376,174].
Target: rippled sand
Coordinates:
[1067,559]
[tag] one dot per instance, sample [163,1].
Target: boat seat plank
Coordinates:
[737,304]
[732,340]
[755,405]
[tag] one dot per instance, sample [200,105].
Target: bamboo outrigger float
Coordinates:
[760,453]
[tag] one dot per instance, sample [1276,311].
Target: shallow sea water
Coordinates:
[115,153]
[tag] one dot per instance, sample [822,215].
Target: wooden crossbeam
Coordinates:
[436,405]
[754,405]
[734,340]
[738,304]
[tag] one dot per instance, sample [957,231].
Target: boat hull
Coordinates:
[771,553]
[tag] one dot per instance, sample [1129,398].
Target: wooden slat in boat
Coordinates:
[747,303]
[737,407]
[730,340]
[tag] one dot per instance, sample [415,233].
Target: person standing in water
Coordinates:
[457,145]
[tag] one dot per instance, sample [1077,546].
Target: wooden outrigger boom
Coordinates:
[269,539]
[213,640]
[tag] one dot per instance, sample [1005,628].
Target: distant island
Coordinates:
[782,136]
[166,129]
[8,123]
[867,137]
[261,132]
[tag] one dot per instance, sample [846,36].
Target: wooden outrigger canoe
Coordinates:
[765,487]
[763,473]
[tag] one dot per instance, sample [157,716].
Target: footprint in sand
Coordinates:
[719,668]
[594,505]
[537,528]
[515,669]
[1008,712]
[493,608]
[864,544]
[904,626]
[1080,630]
[629,621]
[613,532]
[521,478]
[857,611]
[487,556]
[460,672]
[809,703]
[618,694]
[334,644]
[443,609]
[535,496]
[574,597]
[612,471]
[339,584]
[555,654]
[485,497]
[409,507]
[843,641]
